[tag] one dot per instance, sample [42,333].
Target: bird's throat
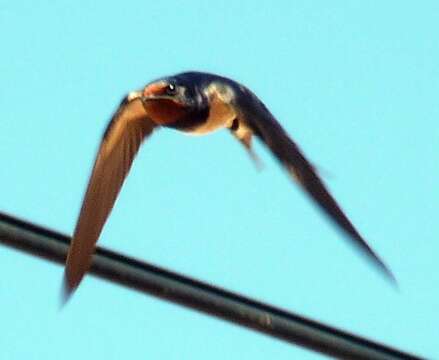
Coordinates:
[165,111]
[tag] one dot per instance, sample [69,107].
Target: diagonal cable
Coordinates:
[197,295]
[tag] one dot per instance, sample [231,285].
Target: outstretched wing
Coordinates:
[121,141]
[254,113]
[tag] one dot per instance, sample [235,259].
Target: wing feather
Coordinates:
[122,139]
[265,126]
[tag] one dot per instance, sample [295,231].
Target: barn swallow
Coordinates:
[194,103]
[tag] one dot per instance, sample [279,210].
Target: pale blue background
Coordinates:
[355,83]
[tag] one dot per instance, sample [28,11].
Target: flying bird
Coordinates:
[196,103]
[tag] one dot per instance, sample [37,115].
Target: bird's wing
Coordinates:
[121,141]
[254,113]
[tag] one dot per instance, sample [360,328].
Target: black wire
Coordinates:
[197,295]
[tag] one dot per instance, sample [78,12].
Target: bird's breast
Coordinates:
[221,114]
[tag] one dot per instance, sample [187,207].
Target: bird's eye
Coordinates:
[171,89]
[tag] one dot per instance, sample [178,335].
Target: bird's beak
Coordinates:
[155,91]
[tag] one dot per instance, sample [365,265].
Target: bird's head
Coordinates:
[171,101]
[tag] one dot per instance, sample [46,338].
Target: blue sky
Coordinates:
[356,84]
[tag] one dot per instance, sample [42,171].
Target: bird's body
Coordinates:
[195,103]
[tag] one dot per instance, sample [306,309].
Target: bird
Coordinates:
[195,103]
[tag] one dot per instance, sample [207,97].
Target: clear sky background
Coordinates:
[356,84]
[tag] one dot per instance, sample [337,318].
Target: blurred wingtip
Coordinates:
[392,279]
[387,273]
[67,291]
